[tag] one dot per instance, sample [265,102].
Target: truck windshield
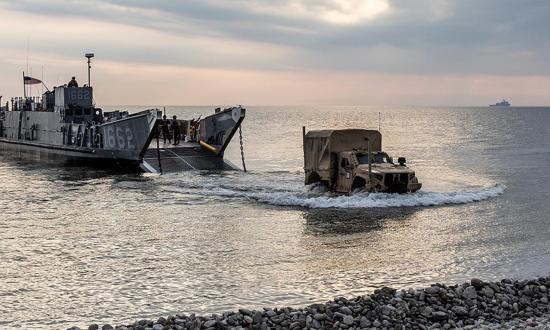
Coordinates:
[376,158]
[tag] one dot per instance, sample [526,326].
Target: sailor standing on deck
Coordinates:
[176,130]
[165,128]
[72,83]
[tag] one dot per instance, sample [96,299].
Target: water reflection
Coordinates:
[351,221]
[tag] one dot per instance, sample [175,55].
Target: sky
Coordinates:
[283,52]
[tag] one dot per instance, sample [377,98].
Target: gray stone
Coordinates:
[348,320]
[421,296]
[107,327]
[209,323]
[439,315]
[387,309]
[319,316]
[245,311]
[524,300]
[316,324]
[346,310]
[248,319]
[158,327]
[270,313]
[469,293]
[294,325]
[460,310]
[476,283]
[364,322]
[488,292]
[93,327]
[432,290]
[458,291]
[427,311]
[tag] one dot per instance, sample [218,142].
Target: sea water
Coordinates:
[81,246]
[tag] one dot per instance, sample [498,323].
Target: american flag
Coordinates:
[31,81]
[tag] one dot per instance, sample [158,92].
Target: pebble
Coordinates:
[460,310]
[348,319]
[476,283]
[469,293]
[474,305]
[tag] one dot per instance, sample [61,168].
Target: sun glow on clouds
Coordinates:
[337,12]
[354,11]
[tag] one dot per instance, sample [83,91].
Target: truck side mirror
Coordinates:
[401,161]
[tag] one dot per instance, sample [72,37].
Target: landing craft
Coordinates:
[65,125]
[352,159]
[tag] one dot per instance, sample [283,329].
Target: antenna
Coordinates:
[28,42]
[89,57]
[379,121]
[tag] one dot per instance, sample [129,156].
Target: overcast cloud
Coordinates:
[384,37]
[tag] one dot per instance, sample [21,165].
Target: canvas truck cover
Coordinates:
[319,145]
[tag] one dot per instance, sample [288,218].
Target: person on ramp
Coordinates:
[165,129]
[176,130]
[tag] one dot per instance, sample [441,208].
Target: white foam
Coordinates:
[288,193]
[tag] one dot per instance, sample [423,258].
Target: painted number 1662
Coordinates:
[119,138]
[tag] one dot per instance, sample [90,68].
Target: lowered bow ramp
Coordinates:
[212,136]
[188,157]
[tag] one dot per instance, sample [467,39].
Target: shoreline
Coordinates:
[519,304]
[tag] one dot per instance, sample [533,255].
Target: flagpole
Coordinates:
[24,87]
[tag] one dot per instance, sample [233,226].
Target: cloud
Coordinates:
[465,39]
[424,36]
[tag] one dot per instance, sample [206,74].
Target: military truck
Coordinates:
[352,159]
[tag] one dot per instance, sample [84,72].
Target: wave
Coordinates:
[315,197]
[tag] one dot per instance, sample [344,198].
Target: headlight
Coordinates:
[411,176]
[379,177]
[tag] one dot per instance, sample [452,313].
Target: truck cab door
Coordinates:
[345,174]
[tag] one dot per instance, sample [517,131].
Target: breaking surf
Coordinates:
[287,190]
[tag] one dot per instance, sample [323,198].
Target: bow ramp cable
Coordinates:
[242,148]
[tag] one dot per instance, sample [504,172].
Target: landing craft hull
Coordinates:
[56,155]
[121,144]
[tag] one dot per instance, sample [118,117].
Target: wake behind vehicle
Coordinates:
[352,159]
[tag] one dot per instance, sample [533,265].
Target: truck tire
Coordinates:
[358,183]
[313,178]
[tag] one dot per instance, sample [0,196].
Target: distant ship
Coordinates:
[502,103]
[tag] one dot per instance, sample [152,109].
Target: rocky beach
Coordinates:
[507,304]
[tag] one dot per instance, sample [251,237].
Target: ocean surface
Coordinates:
[81,246]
